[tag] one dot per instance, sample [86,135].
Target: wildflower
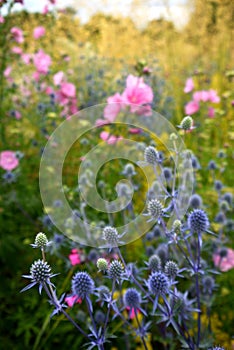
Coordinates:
[171,269]
[218,185]
[111,236]
[192,107]
[102,264]
[74,257]
[40,273]
[154,263]
[115,103]
[187,123]
[176,227]
[8,160]
[82,285]
[41,241]
[151,155]
[198,221]
[195,201]
[158,285]
[68,90]
[42,62]
[57,78]
[17,34]
[38,32]
[136,93]
[189,85]
[155,208]
[208,284]
[225,261]
[115,270]
[71,300]
[99,317]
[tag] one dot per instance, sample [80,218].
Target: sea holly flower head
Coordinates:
[198,221]
[82,285]
[41,241]
[40,273]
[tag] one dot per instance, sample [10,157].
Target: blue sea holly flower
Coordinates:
[40,273]
[158,285]
[198,221]
[82,285]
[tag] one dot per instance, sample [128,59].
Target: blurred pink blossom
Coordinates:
[101,122]
[8,160]
[72,300]
[58,77]
[134,131]
[224,263]
[18,115]
[42,62]
[2,20]
[144,110]
[113,108]
[136,92]
[7,72]
[202,95]
[45,10]
[68,90]
[110,139]
[213,97]
[39,32]
[211,112]
[189,85]
[17,34]
[132,313]
[191,107]
[74,257]
[17,50]
[26,58]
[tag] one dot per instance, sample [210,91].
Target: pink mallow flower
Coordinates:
[7,72]
[213,97]
[8,160]
[58,78]
[2,20]
[42,62]
[211,112]
[110,139]
[113,108]
[72,300]
[17,34]
[191,107]
[224,263]
[26,58]
[68,90]
[39,32]
[74,257]
[17,50]
[136,92]
[189,85]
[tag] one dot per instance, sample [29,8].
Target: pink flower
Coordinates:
[72,300]
[7,72]
[201,96]
[2,20]
[211,112]
[26,58]
[134,131]
[17,34]
[132,313]
[68,90]
[17,50]
[42,62]
[113,108]
[136,92]
[101,122]
[213,97]
[45,10]
[189,85]
[74,257]
[8,160]
[110,139]
[39,32]
[58,77]
[18,115]
[144,110]
[224,263]
[191,107]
